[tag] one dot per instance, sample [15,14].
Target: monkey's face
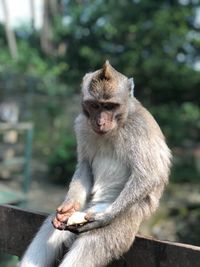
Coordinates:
[103,117]
[105,96]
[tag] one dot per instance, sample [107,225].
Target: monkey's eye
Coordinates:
[110,106]
[85,110]
[94,105]
[87,114]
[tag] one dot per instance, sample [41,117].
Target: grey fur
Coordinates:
[120,178]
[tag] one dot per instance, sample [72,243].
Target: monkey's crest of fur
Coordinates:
[107,81]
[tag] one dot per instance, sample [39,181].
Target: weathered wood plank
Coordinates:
[17,228]
[147,252]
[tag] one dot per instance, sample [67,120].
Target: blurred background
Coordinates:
[46,46]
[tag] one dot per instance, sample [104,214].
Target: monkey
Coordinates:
[123,167]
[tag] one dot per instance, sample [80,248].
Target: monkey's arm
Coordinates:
[149,172]
[77,195]
[134,191]
[80,185]
[149,159]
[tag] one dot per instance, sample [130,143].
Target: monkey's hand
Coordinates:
[93,221]
[64,211]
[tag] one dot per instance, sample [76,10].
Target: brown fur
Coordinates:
[102,88]
[105,83]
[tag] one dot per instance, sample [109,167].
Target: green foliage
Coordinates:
[156,42]
[181,123]
[34,66]
[63,161]
[185,167]
[145,39]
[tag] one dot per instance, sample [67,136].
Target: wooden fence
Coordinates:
[17,228]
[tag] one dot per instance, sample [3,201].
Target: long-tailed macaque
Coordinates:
[123,166]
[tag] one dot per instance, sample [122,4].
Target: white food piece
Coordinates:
[77,218]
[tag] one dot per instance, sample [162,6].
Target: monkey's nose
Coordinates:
[100,123]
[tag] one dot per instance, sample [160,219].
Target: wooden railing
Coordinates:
[17,228]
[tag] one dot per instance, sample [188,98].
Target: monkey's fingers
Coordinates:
[57,224]
[90,216]
[81,228]
[65,207]
[63,217]
[68,206]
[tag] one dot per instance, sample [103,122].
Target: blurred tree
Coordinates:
[32,9]
[9,32]
[156,42]
[50,13]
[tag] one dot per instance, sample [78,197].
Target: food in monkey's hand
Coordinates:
[77,218]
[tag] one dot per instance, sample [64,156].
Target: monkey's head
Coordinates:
[105,96]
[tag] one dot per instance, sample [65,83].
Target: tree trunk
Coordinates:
[9,32]
[32,9]
[54,7]
[47,32]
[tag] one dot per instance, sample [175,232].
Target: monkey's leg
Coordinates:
[45,247]
[97,248]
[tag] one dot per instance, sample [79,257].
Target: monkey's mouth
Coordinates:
[101,132]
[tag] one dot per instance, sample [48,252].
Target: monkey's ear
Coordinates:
[131,86]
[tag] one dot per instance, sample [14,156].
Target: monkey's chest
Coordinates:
[110,176]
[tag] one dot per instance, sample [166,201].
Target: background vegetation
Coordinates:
[156,42]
